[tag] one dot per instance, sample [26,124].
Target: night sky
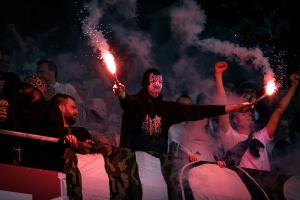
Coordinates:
[254,37]
[35,17]
[56,26]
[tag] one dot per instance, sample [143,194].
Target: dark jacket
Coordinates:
[146,120]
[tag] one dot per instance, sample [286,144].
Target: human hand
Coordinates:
[221,163]
[3,113]
[4,102]
[72,140]
[3,109]
[294,78]
[192,157]
[220,67]
[119,90]
[244,107]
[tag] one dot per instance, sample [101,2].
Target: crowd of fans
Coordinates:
[33,100]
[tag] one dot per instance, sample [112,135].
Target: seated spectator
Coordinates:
[80,142]
[119,162]
[78,138]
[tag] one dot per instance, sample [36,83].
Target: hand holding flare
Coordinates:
[110,64]
[118,88]
[270,89]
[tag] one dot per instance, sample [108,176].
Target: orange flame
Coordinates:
[109,61]
[270,87]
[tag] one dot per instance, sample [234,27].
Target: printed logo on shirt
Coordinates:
[152,126]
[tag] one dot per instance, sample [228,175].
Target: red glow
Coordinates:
[270,87]
[109,61]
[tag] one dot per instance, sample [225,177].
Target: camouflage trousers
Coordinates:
[124,179]
[171,165]
[122,170]
[73,176]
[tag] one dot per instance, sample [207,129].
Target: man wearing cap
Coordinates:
[37,116]
[34,110]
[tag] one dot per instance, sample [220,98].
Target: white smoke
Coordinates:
[187,22]
[189,80]
[137,42]
[90,28]
[126,8]
[245,57]
[121,18]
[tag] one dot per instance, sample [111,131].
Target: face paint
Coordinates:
[155,85]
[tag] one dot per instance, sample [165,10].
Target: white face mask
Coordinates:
[155,85]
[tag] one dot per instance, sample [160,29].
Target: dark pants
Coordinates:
[122,170]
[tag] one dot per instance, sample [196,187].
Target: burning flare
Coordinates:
[109,61]
[270,87]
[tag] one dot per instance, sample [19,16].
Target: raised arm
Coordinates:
[119,90]
[284,102]
[220,67]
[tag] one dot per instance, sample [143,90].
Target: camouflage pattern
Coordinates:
[171,165]
[73,176]
[122,170]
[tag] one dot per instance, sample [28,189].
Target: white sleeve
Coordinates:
[231,137]
[263,136]
[70,90]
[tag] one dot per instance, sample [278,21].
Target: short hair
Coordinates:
[184,96]
[60,99]
[145,81]
[51,65]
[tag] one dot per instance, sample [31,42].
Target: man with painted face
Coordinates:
[147,117]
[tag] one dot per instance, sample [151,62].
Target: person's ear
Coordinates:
[61,108]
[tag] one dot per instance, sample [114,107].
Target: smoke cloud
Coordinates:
[187,22]
[245,57]
[90,28]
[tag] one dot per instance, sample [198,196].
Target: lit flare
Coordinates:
[109,60]
[270,89]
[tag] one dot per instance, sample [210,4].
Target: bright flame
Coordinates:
[109,61]
[270,87]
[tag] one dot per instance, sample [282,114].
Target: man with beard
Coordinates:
[147,117]
[118,161]
[69,112]
[79,140]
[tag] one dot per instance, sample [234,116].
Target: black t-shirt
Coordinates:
[79,132]
[146,120]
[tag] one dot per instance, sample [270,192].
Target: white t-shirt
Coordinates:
[232,137]
[67,89]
